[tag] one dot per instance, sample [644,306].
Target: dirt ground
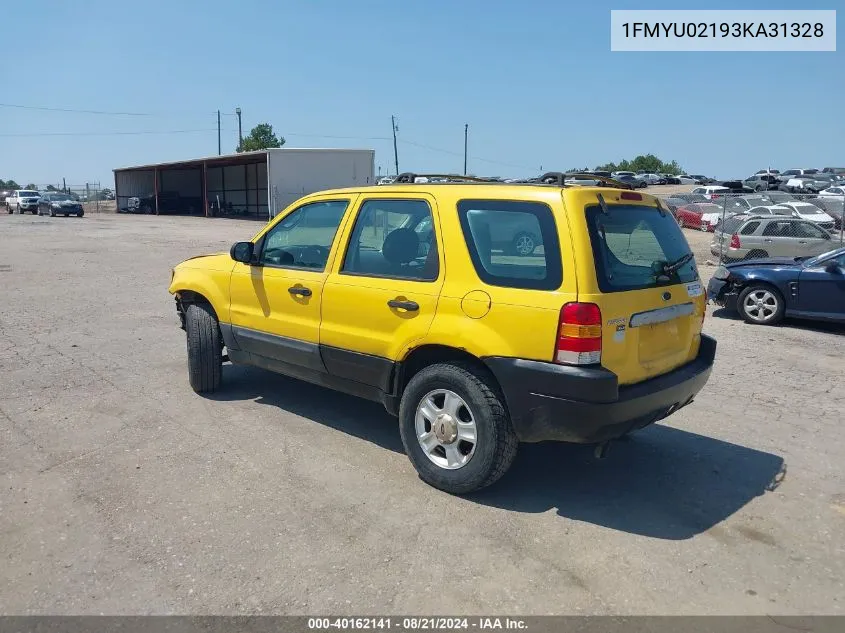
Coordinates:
[123,492]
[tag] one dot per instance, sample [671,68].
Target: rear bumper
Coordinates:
[586,405]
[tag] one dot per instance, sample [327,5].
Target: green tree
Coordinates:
[51,188]
[647,162]
[9,184]
[32,186]
[260,137]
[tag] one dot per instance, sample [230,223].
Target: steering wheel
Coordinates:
[313,253]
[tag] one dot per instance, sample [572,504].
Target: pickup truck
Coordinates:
[23,200]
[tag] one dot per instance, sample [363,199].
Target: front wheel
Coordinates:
[761,305]
[80,214]
[205,358]
[455,428]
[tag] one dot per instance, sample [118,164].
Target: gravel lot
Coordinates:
[125,493]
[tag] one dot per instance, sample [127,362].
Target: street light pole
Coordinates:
[395,150]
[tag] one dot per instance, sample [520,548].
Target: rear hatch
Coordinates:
[646,285]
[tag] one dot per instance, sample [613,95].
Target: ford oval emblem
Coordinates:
[667,296]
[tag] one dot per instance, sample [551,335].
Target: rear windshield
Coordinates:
[632,246]
[732,224]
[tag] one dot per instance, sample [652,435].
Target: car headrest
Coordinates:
[401,246]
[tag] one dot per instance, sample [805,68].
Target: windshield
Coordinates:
[635,246]
[28,194]
[60,197]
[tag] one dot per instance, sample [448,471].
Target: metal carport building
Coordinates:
[251,184]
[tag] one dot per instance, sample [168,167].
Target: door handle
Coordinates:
[410,306]
[767,240]
[299,290]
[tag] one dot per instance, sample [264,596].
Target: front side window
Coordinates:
[394,239]
[512,243]
[303,238]
[810,230]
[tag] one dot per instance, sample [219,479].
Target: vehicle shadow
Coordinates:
[798,324]
[662,482]
[360,418]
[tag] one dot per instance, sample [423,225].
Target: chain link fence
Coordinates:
[763,224]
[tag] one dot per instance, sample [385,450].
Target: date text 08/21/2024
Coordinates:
[416,623]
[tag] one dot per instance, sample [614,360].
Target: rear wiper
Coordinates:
[670,267]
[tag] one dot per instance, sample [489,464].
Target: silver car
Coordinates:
[751,236]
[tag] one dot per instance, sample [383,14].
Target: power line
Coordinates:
[103,112]
[109,133]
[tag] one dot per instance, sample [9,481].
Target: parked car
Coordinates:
[767,171]
[703,216]
[23,200]
[652,179]
[633,181]
[702,180]
[712,191]
[833,206]
[806,184]
[839,171]
[754,236]
[54,204]
[789,173]
[762,182]
[811,212]
[671,179]
[680,199]
[357,307]
[777,197]
[683,179]
[765,291]
[616,174]
[168,202]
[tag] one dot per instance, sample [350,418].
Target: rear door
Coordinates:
[639,270]
[382,294]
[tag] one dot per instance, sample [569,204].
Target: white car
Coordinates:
[616,174]
[686,180]
[651,179]
[811,212]
[711,191]
[833,192]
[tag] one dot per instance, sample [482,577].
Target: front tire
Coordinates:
[760,304]
[205,358]
[455,428]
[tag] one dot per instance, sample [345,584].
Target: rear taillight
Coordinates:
[579,334]
[630,195]
[735,243]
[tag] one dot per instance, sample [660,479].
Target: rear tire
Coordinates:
[80,214]
[493,450]
[205,357]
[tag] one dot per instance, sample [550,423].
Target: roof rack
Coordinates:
[559,178]
[554,178]
[411,177]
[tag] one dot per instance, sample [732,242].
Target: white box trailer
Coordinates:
[293,173]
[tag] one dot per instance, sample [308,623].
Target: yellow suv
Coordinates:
[481,314]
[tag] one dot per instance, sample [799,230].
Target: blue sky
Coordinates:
[535,80]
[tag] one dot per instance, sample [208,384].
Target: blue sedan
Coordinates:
[764,291]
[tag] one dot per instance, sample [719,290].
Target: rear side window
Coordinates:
[749,228]
[632,245]
[512,243]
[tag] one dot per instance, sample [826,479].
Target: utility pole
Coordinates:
[466,133]
[240,132]
[219,151]
[64,186]
[395,150]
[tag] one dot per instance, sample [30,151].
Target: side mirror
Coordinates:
[242,252]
